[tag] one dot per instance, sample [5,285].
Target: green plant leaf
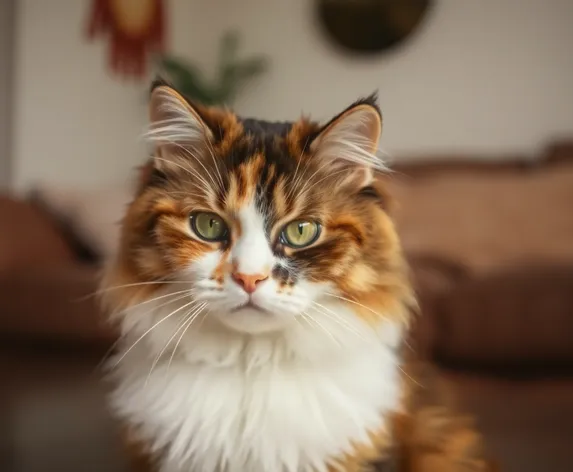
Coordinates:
[233,73]
[186,78]
[229,47]
[250,68]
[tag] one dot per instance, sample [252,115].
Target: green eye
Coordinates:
[209,226]
[300,233]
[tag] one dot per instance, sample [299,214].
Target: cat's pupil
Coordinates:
[300,228]
[212,222]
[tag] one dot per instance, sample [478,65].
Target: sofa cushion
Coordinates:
[518,316]
[63,305]
[510,226]
[29,238]
[432,278]
[491,219]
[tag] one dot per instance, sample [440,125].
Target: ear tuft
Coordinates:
[370,100]
[175,127]
[349,141]
[159,81]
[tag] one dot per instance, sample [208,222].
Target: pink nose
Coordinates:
[249,282]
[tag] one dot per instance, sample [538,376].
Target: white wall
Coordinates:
[6,72]
[488,76]
[72,123]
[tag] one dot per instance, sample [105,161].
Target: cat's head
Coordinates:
[259,225]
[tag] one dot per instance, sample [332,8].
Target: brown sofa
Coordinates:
[492,253]
[499,239]
[491,247]
[47,280]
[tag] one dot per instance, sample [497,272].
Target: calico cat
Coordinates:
[264,303]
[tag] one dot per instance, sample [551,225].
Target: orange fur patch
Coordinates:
[426,436]
[297,137]
[139,458]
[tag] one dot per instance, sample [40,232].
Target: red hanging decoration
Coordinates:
[136,28]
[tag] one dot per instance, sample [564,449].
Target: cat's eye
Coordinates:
[300,233]
[209,226]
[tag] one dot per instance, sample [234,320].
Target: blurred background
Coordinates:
[477,100]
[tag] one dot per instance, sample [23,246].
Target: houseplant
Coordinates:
[233,73]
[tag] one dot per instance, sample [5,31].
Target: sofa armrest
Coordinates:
[29,238]
[53,303]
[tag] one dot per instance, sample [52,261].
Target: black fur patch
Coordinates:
[260,127]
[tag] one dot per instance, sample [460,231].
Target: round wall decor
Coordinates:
[370,26]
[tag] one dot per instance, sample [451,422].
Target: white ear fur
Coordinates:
[175,128]
[350,142]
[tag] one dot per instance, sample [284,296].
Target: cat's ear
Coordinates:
[176,128]
[348,142]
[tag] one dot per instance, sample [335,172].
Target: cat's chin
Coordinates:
[253,320]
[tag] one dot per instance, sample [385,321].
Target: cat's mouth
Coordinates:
[251,318]
[249,306]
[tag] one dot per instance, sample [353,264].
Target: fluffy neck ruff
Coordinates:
[224,401]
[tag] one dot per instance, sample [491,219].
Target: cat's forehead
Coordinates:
[261,141]
[280,143]
[255,156]
[259,164]
[263,128]
[241,161]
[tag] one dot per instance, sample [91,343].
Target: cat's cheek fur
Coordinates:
[204,267]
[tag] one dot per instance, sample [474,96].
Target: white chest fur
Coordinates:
[289,413]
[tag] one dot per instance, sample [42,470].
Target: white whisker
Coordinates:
[356,303]
[339,320]
[187,317]
[197,312]
[322,327]
[191,171]
[306,189]
[294,178]
[117,341]
[199,161]
[151,329]
[170,294]
[181,295]
[214,159]
[186,194]
[321,167]
[117,287]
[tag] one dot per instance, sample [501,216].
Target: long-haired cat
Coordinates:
[264,303]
